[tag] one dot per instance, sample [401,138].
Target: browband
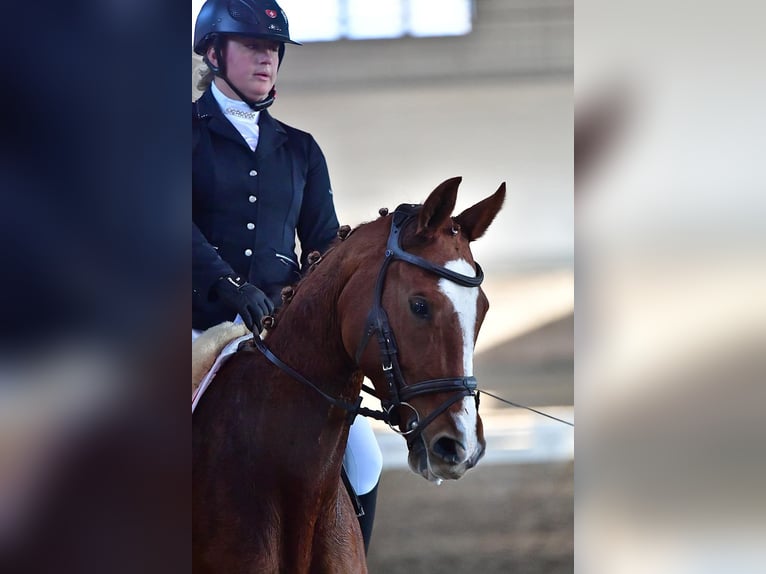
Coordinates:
[402,216]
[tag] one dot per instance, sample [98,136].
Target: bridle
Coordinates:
[399,392]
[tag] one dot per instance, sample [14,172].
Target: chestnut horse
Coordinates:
[398,301]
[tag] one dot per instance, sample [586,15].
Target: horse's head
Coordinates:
[418,338]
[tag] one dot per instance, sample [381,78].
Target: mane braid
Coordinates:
[314,315]
[296,286]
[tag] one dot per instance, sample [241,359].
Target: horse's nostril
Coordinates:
[449,450]
[475,459]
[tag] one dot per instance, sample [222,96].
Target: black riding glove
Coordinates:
[251,303]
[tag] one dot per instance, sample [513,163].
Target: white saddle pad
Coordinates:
[227,351]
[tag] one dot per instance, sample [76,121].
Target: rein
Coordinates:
[356,409]
[399,392]
[352,409]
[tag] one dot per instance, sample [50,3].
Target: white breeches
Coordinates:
[363,459]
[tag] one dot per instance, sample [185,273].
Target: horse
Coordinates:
[396,299]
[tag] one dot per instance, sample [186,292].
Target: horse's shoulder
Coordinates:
[207,347]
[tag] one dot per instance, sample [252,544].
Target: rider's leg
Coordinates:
[364,462]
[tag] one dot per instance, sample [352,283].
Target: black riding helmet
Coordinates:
[255,18]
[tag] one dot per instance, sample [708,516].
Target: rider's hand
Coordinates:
[251,303]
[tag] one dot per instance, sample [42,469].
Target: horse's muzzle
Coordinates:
[445,458]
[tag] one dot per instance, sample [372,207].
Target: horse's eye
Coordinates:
[419,306]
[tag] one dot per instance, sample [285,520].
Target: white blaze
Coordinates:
[464,300]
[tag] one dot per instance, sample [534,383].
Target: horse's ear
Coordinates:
[438,207]
[475,220]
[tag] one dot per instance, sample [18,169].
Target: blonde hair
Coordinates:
[202,77]
[206,77]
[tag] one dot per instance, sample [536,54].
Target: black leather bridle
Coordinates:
[399,392]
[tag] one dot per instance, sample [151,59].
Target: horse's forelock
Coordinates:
[442,246]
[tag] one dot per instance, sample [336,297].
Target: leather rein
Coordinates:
[399,392]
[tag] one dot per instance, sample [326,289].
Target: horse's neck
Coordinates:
[308,338]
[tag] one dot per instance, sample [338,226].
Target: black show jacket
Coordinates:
[247,206]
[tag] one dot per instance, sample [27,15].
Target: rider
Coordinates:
[256,182]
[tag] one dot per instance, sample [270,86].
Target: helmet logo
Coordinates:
[271,13]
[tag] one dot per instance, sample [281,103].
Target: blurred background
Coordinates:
[670,133]
[402,95]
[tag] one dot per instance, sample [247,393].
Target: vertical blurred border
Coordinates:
[94,450]
[670,279]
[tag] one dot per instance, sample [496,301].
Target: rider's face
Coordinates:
[251,65]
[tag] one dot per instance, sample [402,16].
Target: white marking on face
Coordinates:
[464,300]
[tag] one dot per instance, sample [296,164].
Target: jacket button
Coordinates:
[253,173]
[252,199]
[251,225]
[248,252]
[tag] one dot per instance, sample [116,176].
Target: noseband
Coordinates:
[399,392]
